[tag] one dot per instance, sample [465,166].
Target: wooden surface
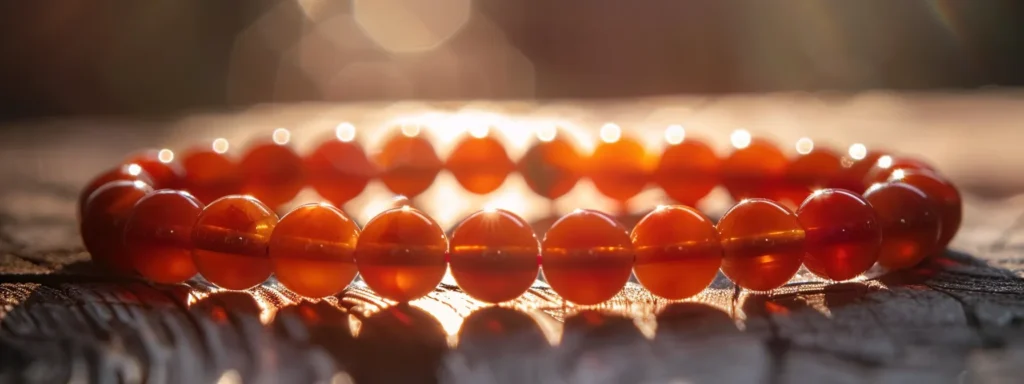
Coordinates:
[957,318]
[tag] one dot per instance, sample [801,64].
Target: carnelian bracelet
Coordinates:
[236,241]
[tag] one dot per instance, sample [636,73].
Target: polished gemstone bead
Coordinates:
[677,252]
[843,234]
[103,220]
[494,255]
[165,174]
[808,173]
[587,257]
[551,168]
[620,169]
[479,164]
[210,175]
[851,176]
[688,171]
[230,242]
[311,250]
[754,171]
[942,193]
[763,244]
[910,224]
[272,173]
[125,172]
[158,236]
[401,254]
[886,165]
[408,165]
[339,170]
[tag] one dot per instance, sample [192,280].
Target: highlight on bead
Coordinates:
[675,134]
[884,161]
[547,132]
[345,132]
[858,151]
[134,169]
[610,133]
[479,131]
[220,145]
[165,156]
[281,136]
[740,138]
[804,145]
[410,130]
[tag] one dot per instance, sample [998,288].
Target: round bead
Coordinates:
[311,250]
[158,236]
[942,193]
[853,172]
[886,165]
[401,254]
[125,172]
[619,169]
[587,257]
[103,221]
[678,252]
[843,234]
[808,173]
[479,164]
[408,165]
[763,244]
[165,175]
[910,224]
[551,168]
[754,171]
[494,256]
[230,242]
[272,173]
[339,171]
[210,175]
[688,171]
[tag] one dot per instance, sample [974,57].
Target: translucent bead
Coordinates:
[688,171]
[551,168]
[230,242]
[312,250]
[754,171]
[678,252]
[479,164]
[125,172]
[494,256]
[210,175]
[408,165]
[103,220]
[587,257]
[165,175]
[619,169]
[339,171]
[808,173]
[942,193]
[401,254]
[910,224]
[272,173]
[763,244]
[158,236]
[886,165]
[843,234]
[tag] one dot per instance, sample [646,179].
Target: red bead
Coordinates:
[843,234]
[165,174]
[587,257]
[272,173]
[339,171]
[401,254]
[763,244]
[230,242]
[311,250]
[103,220]
[408,165]
[678,252]
[808,173]
[480,164]
[943,195]
[754,171]
[210,175]
[125,172]
[494,256]
[551,168]
[688,171]
[910,224]
[886,165]
[158,236]
[851,176]
[619,169]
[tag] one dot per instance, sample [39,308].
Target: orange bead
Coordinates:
[339,171]
[165,174]
[311,250]
[763,244]
[408,165]
[125,172]
[230,242]
[843,234]
[479,164]
[619,169]
[551,168]
[494,256]
[210,175]
[103,220]
[808,173]
[272,173]
[401,254]
[910,224]
[587,257]
[886,165]
[942,193]
[688,171]
[754,171]
[677,252]
[158,236]
[851,176]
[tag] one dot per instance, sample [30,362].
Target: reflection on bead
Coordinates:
[311,250]
[851,176]
[339,171]
[210,175]
[408,165]
[619,169]
[158,236]
[165,175]
[479,164]
[587,257]
[551,168]
[754,171]
[103,221]
[401,254]
[678,252]
[942,193]
[125,172]
[910,224]
[272,173]
[763,244]
[886,165]
[688,171]
[230,242]
[494,256]
[807,173]
[843,234]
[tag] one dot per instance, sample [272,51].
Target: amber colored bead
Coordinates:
[808,173]
[763,244]
[551,168]
[587,257]
[230,242]
[885,166]
[272,173]
[479,164]
[311,250]
[910,224]
[843,236]
[853,172]
[125,172]
[619,169]
[210,175]
[104,217]
[408,165]
[494,256]
[678,252]
[158,236]
[339,170]
[754,171]
[688,171]
[401,254]
[165,175]
[942,193]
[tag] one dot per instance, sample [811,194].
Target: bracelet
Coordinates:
[148,217]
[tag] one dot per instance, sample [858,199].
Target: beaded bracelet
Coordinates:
[237,241]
